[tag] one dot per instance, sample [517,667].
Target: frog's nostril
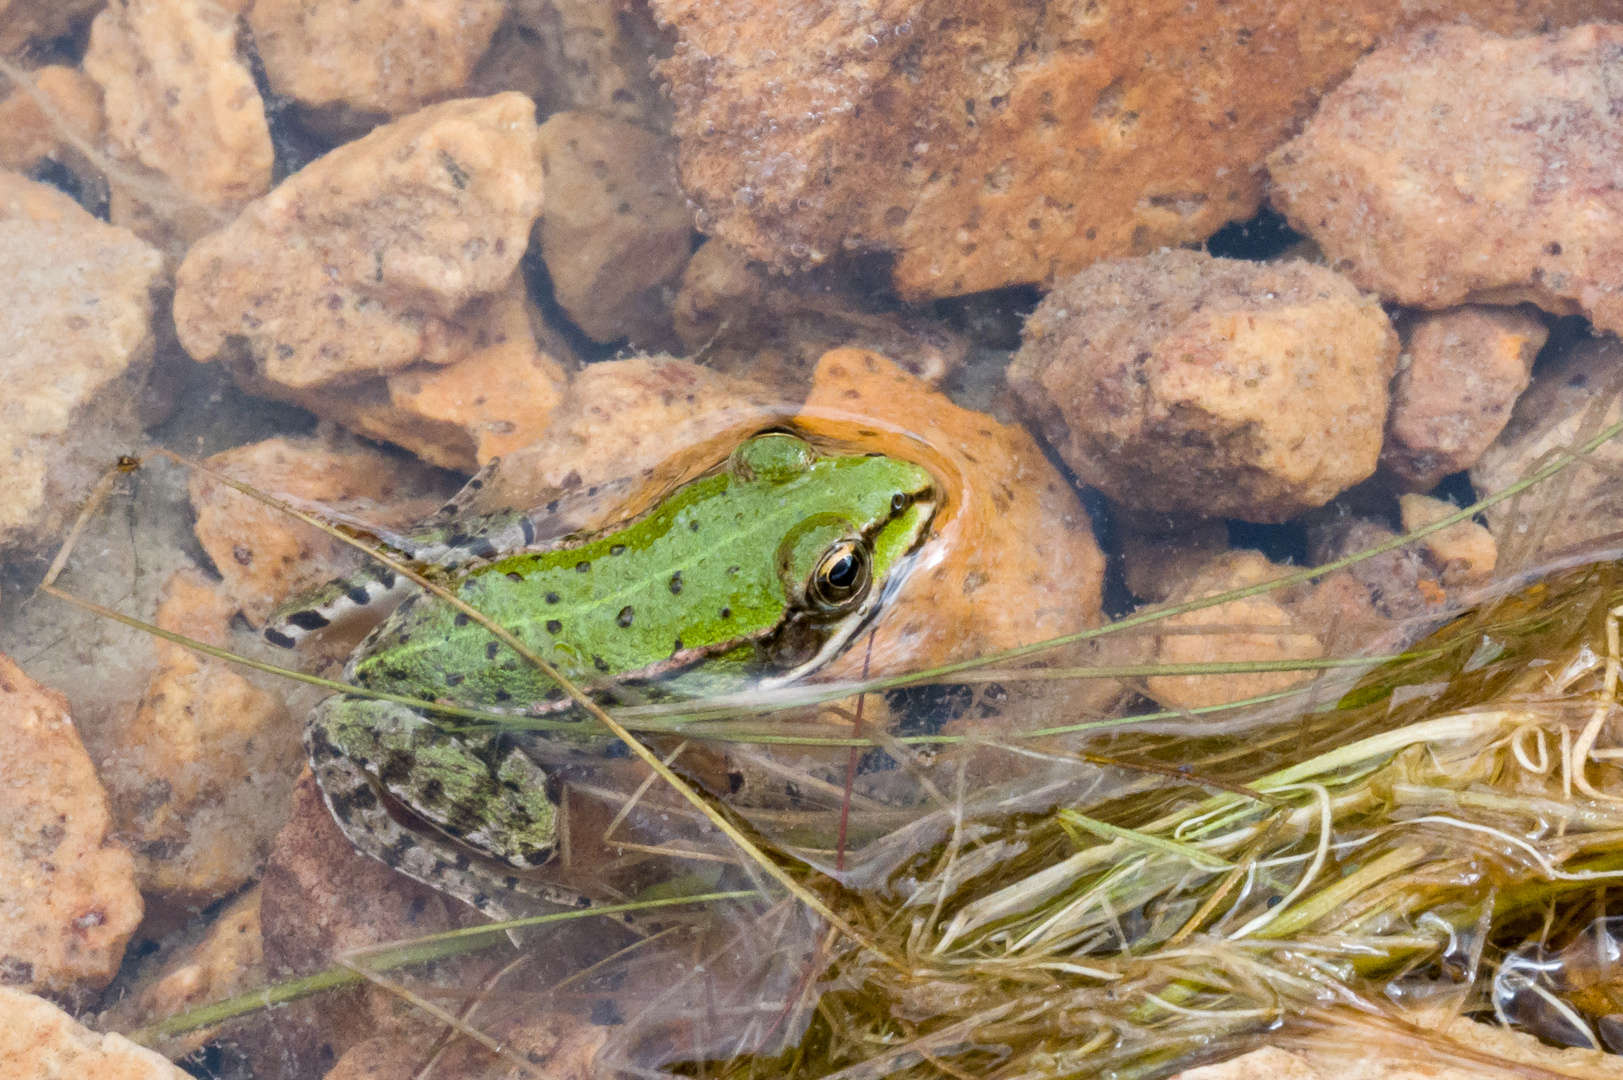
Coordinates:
[898,502]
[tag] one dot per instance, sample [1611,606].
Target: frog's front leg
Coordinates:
[477,790]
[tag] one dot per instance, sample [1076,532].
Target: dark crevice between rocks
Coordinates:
[1265,236]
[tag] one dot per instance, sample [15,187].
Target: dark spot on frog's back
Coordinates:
[625,617]
[308,620]
[462,619]
[554,626]
[491,649]
[582,566]
[552,598]
[676,583]
[279,639]
[600,663]
[358,595]
[617,549]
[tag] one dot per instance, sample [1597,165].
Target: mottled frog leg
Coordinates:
[357,745]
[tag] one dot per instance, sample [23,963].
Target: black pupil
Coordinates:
[843,574]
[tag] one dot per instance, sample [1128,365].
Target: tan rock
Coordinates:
[1400,584]
[373,257]
[201,780]
[1569,402]
[1155,563]
[225,960]
[77,320]
[1457,1048]
[38,1039]
[28,135]
[1465,368]
[68,900]
[579,54]
[1456,165]
[1178,382]
[178,98]
[264,555]
[1014,562]
[372,55]
[626,433]
[1250,629]
[496,399]
[734,316]
[615,231]
[22,22]
[990,144]
[1462,554]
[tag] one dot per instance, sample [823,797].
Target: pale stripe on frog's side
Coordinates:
[756,574]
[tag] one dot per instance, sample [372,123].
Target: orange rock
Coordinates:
[264,555]
[989,143]
[1465,369]
[1011,559]
[27,135]
[376,56]
[737,317]
[206,767]
[77,320]
[375,256]
[615,230]
[38,1039]
[68,900]
[1182,383]
[1456,165]
[179,100]
[498,398]
[627,432]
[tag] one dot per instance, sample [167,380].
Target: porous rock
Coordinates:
[579,54]
[1569,403]
[498,397]
[22,22]
[1455,1048]
[201,776]
[1464,370]
[735,316]
[225,958]
[178,98]
[1180,382]
[319,899]
[38,1039]
[373,257]
[988,143]
[1015,561]
[626,433]
[266,556]
[615,231]
[1249,629]
[68,899]
[375,56]
[1457,165]
[77,327]
[28,135]
[1462,553]
[1400,583]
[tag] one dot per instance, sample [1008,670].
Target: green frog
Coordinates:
[754,575]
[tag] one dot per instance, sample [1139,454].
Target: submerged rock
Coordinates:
[68,899]
[78,326]
[1455,165]
[1183,383]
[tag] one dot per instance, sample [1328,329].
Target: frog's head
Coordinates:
[858,521]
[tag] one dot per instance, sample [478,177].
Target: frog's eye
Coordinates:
[842,575]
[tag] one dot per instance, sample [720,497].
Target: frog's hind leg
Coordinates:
[357,745]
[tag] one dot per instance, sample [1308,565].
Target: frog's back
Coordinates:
[697,579]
